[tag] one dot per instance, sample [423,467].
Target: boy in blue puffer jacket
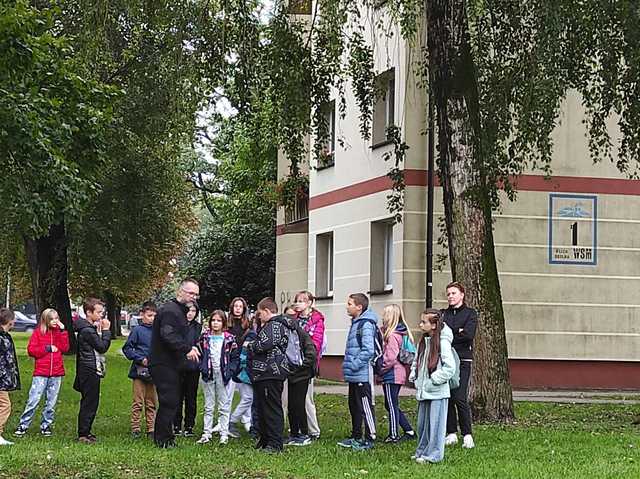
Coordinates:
[357,371]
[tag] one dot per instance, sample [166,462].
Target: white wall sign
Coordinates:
[573,229]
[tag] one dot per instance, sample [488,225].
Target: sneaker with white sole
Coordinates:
[467,442]
[20,432]
[300,441]
[204,439]
[348,442]
[4,442]
[224,439]
[233,432]
[451,439]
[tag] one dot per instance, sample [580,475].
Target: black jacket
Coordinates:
[169,344]
[463,322]
[192,336]
[268,352]
[9,373]
[308,368]
[90,345]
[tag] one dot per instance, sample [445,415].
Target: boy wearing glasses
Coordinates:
[94,339]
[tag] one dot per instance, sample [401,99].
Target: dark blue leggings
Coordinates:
[396,416]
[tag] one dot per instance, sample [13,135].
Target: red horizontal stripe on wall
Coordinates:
[565,184]
[578,184]
[364,188]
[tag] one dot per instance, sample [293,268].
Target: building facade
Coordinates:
[568,249]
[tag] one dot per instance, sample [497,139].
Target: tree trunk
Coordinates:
[113,313]
[466,202]
[47,259]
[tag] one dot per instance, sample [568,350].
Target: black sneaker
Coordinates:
[86,440]
[188,432]
[20,432]
[391,440]
[271,450]
[408,436]
[167,445]
[177,431]
[46,431]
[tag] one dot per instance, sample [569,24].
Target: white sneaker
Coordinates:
[204,439]
[467,442]
[247,426]
[4,442]
[224,439]
[216,428]
[451,439]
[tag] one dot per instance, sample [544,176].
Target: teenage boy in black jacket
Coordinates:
[463,321]
[269,368]
[169,352]
[94,339]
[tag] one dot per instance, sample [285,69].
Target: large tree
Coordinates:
[141,218]
[498,73]
[53,123]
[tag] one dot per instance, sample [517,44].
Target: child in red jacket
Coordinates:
[47,344]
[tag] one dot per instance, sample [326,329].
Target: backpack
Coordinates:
[454,382]
[378,345]
[407,351]
[293,352]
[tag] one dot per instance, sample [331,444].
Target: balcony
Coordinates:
[297,212]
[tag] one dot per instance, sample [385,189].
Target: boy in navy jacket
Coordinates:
[137,350]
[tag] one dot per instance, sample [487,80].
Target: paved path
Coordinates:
[570,397]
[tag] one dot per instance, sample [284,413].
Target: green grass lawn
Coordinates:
[550,441]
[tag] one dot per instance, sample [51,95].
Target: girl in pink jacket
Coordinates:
[394,372]
[312,321]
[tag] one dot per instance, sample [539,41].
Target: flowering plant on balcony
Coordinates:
[292,189]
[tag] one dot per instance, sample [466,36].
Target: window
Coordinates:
[388,256]
[384,107]
[300,7]
[328,144]
[381,256]
[324,264]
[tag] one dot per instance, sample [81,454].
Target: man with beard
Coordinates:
[169,352]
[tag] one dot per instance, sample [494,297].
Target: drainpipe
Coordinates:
[7,301]
[430,186]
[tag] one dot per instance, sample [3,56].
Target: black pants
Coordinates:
[188,397]
[361,409]
[268,395]
[459,409]
[166,380]
[254,417]
[297,413]
[88,385]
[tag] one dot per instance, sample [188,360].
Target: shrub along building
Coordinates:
[568,249]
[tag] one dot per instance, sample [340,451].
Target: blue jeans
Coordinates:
[40,385]
[432,422]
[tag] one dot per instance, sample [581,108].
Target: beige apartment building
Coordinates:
[568,250]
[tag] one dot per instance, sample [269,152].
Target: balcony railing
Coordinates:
[298,212]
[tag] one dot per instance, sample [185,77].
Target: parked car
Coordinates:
[24,323]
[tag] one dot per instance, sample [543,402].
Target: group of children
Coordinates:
[258,355]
